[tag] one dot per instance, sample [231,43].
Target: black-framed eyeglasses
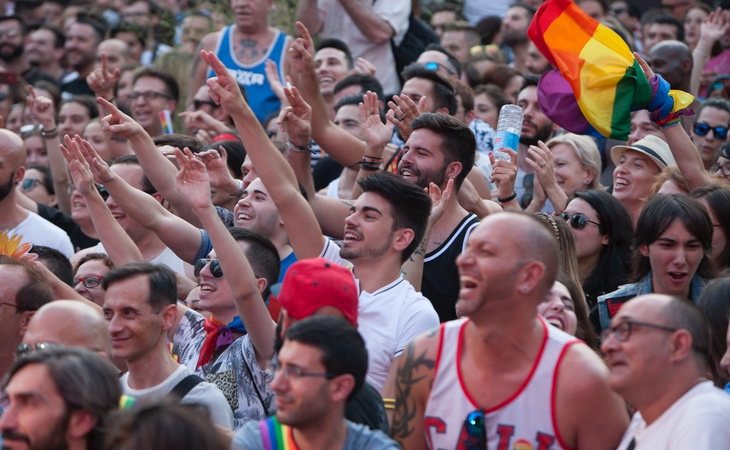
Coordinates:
[475,425]
[24,349]
[197,104]
[578,221]
[617,11]
[623,330]
[724,168]
[29,183]
[89,282]
[702,128]
[294,372]
[215,267]
[147,96]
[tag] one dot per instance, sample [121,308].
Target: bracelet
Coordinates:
[369,165]
[507,199]
[299,149]
[389,403]
[53,132]
[372,158]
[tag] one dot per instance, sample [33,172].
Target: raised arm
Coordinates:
[713,28]
[308,15]
[343,147]
[685,153]
[117,243]
[193,184]
[44,112]
[305,235]
[374,27]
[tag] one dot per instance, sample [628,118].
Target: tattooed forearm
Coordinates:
[406,405]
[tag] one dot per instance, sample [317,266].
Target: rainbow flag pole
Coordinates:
[166,121]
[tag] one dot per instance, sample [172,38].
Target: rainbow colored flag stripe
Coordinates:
[275,436]
[607,81]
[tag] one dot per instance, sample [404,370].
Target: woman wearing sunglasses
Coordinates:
[37,184]
[89,276]
[603,231]
[672,245]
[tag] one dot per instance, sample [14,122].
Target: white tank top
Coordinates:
[525,421]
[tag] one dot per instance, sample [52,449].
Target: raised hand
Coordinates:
[296,119]
[714,27]
[504,173]
[402,112]
[223,87]
[41,108]
[439,199]
[540,160]
[116,123]
[102,80]
[201,120]
[193,182]
[216,163]
[272,75]
[365,67]
[376,133]
[81,175]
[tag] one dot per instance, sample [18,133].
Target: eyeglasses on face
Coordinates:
[148,96]
[724,168]
[25,349]
[475,426]
[578,221]
[702,128]
[29,183]
[617,11]
[215,267]
[89,282]
[294,372]
[622,331]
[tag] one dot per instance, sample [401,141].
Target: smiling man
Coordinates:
[657,349]
[321,365]
[140,308]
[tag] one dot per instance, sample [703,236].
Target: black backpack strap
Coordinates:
[185,386]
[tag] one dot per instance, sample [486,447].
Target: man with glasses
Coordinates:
[23,290]
[140,308]
[321,365]
[153,92]
[657,349]
[501,377]
[710,130]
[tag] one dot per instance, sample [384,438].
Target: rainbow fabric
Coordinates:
[597,66]
[275,436]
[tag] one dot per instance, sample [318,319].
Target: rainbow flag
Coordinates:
[599,68]
[276,436]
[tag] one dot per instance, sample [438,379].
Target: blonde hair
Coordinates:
[586,150]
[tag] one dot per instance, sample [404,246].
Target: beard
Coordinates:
[7,188]
[542,133]
[54,439]
[426,176]
[351,254]
[10,52]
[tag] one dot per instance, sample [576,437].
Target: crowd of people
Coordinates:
[218,231]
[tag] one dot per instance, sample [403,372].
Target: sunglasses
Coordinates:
[215,267]
[578,221]
[102,191]
[476,431]
[89,282]
[702,128]
[26,349]
[29,183]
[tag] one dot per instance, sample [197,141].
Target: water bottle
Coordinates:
[509,128]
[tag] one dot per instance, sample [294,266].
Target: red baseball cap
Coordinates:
[311,284]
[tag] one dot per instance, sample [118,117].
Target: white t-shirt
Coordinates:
[337,23]
[698,420]
[166,257]
[38,231]
[205,394]
[388,319]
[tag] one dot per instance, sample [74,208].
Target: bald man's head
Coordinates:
[12,149]
[673,61]
[72,323]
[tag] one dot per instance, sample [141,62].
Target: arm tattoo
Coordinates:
[420,250]
[405,404]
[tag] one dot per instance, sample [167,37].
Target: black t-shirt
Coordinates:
[79,240]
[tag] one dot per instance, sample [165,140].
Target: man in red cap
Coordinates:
[317,287]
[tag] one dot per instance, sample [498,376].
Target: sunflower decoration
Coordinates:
[12,246]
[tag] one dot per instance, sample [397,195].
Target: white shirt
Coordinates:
[38,231]
[698,420]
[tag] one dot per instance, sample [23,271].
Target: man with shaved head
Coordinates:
[71,323]
[658,352]
[116,51]
[501,377]
[13,217]
[673,61]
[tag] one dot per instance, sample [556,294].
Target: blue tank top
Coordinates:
[252,78]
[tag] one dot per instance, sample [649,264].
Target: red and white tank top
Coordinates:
[525,421]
